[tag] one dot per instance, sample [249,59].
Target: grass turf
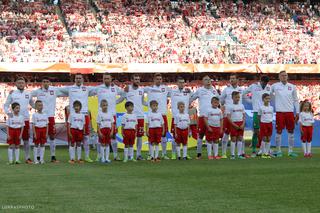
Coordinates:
[252,185]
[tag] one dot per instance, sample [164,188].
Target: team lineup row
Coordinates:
[220,116]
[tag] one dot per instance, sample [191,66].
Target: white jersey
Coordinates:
[177,96]
[159,94]
[15,121]
[266,113]
[257,91]
[214,116]
[226,95]
[154,120]
[286,98]
[236,111]
[76,121]
[182,120]
[21,97]
[129,121]
[78,93]
[204,95]
[40,120]
[136,97]
[105,120]
[109,94]
[306,118]
[48,98]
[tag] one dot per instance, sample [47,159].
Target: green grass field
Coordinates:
[252,185]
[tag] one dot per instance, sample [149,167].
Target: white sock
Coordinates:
[99,149]
[52,147]
[309,148]
[35,153]
[164,145]
[239,147]
[38,155]
[185,151]
[86,146]
[304,147]
[233,147]
[174,145]
[139,146]
[114,145]
[26,147]
[278,142]
[156,155]
[79,152]
[290,142]
[17,153]
[224,144]
[107,152]
[209,149]
[72,152]
[10,154]
[199,146]
[243,148]
[42,150]
[131,154]
[125,154]
[215,149]
[151,150]
[178,150]
[102,153]
[267,147]
[263,147]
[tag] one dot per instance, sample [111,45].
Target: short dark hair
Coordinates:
[265,95]
[134,75]
[233,74]
[214,98]
[179,78]
[157,75]
[107,73]
[234,93]
[153,102]
[20,79]
[77,103]
[14,105]
[282,71]
[265,78]
[38,101]
[128,103]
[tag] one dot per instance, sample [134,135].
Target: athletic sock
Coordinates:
[151,150]
[10,154]
[52,147]
[102,153]
[263,147]
[178,150]
[185,151]
[278,142]
[164,146]
[309,148]
[125,154]
[79,152]
[290,142]
[26,147]
[304,147]
[209,149]
[199,146]
[114,145]
[254,142]
[17,153]
[239,147]
[139,146]
[267,147]
[131,154]
[35,153]
[107,152]
[99,150]
[224,143]
[42,150]
[243,147]
[156,155]
[215,149]
[233,147]
[72,152]
[174,145]
[86,146]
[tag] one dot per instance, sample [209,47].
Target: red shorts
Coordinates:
[284,120]
[172,127]
[140,126]
[26,131]
[77,135]
[106,136]
[307,133]
[41,133]
[87,125]
[14,134]
[266,129]
[182,136]
[155,135]
[234,132]
[129,136]
[214,135]
[51,127]
[165,120]
[226,125]
[201,126]
[115,128]
[194,131]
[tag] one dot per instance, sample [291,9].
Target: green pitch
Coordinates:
[252,185]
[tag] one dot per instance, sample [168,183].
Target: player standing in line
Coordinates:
[265,115]
[237,119]
[108,91]
[15,125]
[306,121]
[181,94]
[204,94]
[135,94]
[226,100]
[154,129]
[80,92]
[159,92]
[48,94]
[257,90]
[129,126]
[286,101]
[214,124]
[181,129]
[105,127]
[24,99]
[193,114]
